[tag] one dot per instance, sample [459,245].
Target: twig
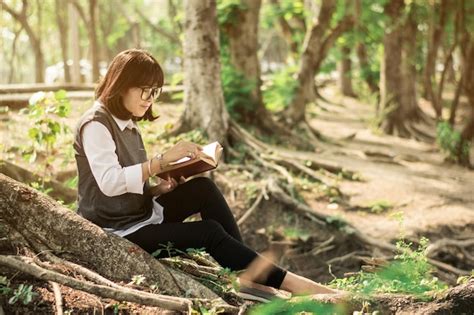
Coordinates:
[252,208]
[57,297]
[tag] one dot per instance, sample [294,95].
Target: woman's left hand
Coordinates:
[165,186]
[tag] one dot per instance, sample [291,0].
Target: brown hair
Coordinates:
[130,68]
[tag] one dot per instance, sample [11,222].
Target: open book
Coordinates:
[206,160]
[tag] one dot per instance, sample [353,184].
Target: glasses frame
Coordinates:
[154,90]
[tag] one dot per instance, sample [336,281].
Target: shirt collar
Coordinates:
[122,124]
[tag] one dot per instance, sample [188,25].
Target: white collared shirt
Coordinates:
[111,177]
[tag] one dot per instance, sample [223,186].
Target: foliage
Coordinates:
[450,142]
[409,273]
[44,112]
[237,89]
[279,89]
[23,293]
[379,206]
[283,307]
[227,12]
[137,279]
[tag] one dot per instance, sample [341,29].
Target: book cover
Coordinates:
[206,160]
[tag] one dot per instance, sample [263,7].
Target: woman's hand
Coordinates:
[180,150]
[165,186]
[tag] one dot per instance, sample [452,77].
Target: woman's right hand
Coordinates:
[180,150]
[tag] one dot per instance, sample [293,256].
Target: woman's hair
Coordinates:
[130,68]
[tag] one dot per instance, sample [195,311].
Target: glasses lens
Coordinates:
[153,92]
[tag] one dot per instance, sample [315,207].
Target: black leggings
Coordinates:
[218,232]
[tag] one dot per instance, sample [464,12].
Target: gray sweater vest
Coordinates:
[118,212]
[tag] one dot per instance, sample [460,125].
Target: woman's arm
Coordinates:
[112,178]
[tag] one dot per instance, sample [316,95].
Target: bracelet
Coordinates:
[149,167]
[159,157]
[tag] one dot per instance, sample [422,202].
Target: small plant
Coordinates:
[5,286]
[137,279]
[45,111]
[450,143]
[282,307]
[23,294]
[409,273]
[380,206]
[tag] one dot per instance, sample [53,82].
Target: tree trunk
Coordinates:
[93,40]
[286,30]
[362,52]
[345,72]
[29,216]
[75,43]
[203,96]
[61,20]
[434,42]
[467,134]
[243,46]
[408,96]
[35,41]
[11,74]
[315,48]
[390,73]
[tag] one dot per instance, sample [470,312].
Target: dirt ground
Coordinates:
[424,190]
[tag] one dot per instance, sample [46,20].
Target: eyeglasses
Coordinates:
[148,92]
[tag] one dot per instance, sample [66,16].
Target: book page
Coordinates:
[213,150]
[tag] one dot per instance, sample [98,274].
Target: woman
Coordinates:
[115,194]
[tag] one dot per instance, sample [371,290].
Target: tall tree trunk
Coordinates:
[390,74]
[436,33]
[408,96]
[315,48]
[286,30]
[11,74]
[203,96]
[362,51]
[75,43]
[243,47]
[93,40]
[90,24]
[345,72]
[467,55]
[61,20]
[398,76]
[35,39]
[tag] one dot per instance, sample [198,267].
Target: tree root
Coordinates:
[26,265]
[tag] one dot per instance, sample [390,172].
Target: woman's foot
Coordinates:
[304,286]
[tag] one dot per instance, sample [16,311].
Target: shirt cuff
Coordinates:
[133,179]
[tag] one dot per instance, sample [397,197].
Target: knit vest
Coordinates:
[117,212]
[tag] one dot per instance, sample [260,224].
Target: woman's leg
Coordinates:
[199,195]
[225,249]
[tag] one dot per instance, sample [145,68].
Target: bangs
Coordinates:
[149,73]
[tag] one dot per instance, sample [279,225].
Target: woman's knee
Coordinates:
[204,184]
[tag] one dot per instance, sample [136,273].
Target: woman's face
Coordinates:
[136,101]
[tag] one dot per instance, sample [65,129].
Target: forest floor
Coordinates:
[422,193]
[407,189]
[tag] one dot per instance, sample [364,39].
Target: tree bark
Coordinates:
[90,24]
[61,20]
[362,51]
[203,96]
[345,72]
[28,215]
[75,43]
[286,30]
[437,29]
[315,48]
[35,40]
